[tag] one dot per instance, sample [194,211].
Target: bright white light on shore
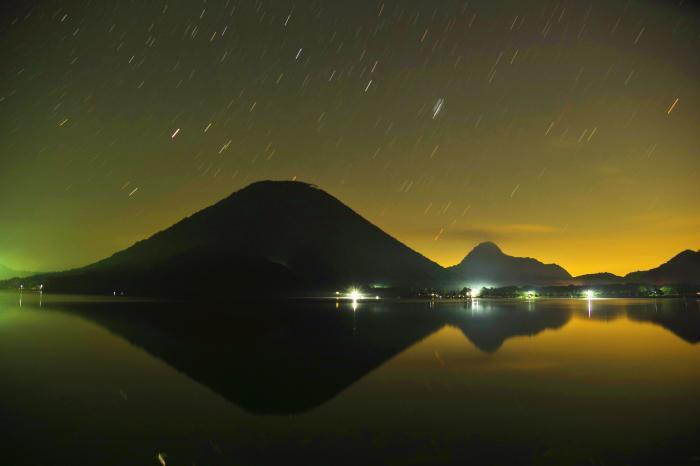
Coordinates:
[589,294]
[477,288]
[354,294]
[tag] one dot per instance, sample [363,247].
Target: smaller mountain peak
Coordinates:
[687,254]
[484,250]
[486,247]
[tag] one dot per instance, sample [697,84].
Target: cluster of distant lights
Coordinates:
[39,288]
[587,294]
[355,295]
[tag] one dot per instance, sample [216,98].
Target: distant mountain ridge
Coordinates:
[602,278]
[681,268]
[7,273]
[285,237]
[487,264]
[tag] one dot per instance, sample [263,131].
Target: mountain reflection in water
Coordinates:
[247,351]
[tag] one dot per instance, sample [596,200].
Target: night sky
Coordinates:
[566,131]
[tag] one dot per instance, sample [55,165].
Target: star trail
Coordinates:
[567,131]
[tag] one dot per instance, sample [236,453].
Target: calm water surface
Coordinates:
[101,382]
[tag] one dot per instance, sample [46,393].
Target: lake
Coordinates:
[122,382]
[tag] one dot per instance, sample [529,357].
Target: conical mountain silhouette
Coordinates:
[272,236]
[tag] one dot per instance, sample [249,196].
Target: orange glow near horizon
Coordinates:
[596,257]
[625,245]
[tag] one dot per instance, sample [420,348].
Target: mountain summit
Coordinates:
[487,249]
[487,264]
